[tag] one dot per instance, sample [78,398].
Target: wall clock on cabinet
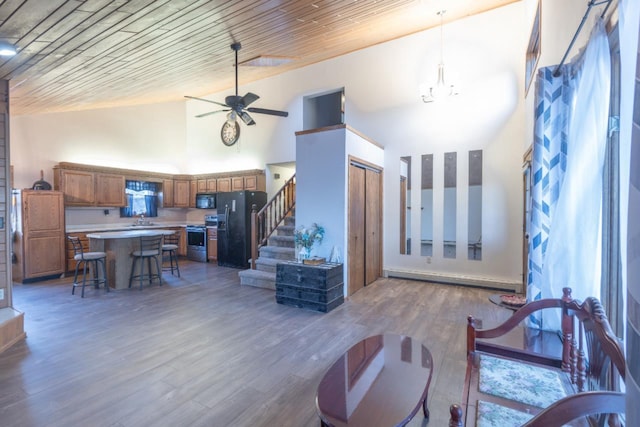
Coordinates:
[230,132]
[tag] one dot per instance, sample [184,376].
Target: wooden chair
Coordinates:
[150,248]
[170,248]
[85,258]
[579,384]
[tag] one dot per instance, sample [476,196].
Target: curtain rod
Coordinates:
[575,36]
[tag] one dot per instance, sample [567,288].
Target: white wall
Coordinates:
[148,137]
[484,57]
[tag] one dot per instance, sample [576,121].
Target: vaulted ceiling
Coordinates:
[79,54]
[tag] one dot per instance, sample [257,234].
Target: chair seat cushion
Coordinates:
[494,415]
[88,256]
[169,247]
[522,382]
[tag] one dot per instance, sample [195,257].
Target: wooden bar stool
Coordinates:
[84,258]
[170,247]
[150,247]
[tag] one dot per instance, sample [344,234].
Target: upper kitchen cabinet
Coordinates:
[110,190]
[87,188]
[77,186]
[193,186]
[167,193]
[255,183]
[208,185]
[181,192]
[224,185]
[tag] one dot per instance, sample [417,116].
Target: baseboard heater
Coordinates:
[454,279]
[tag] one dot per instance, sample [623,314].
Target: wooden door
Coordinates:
[43,233]
[373,225]
[365,226]
[356,250]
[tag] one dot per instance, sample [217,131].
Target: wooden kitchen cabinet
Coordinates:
[224,185]
[84,188]
[181,192]
[212,244]
[182,245]
[167,193]
[78,187]
[237,183]
[110,190]
[208,185]
[193,190]
[255,183]
[40,243]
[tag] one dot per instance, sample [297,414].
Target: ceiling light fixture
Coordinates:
[7,49]
[440,90]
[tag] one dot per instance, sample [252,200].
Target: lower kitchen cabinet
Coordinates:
[39,246]
[212,244]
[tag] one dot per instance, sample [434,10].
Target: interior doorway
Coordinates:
[365,224]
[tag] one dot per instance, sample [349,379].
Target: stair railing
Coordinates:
[265,221]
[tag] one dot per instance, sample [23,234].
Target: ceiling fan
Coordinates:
[237,106]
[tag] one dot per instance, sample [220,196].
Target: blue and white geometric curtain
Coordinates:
[548,165]
[572,114]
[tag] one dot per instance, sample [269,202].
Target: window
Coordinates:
[142,199]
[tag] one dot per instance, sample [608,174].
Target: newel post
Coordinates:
[254,235]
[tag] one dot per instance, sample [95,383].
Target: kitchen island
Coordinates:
[118,246]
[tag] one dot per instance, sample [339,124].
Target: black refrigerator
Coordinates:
[234,226]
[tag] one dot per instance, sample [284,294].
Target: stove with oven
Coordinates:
[197,239]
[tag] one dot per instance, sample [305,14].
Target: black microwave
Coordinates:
[206,200]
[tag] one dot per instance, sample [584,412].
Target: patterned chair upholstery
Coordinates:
[507,387]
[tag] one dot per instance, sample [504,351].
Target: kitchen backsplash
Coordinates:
[90,216]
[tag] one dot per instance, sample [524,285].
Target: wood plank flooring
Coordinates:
[202,350]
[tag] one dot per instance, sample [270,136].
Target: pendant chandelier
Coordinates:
[441,89]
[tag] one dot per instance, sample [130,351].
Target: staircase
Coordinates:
[280,247]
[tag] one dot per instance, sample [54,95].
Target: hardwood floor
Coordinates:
[202,350]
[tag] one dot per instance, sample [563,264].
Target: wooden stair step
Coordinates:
[258,279]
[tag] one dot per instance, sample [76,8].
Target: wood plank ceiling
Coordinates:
[80,54]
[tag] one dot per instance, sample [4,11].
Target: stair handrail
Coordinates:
[266,220]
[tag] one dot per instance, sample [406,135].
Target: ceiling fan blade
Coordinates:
[249,98]
[211,112]
[267,111]
[246,118]
[206,100]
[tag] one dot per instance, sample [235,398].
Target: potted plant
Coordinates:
[306,237]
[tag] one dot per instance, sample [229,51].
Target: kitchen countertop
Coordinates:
[83,228]
[126,234]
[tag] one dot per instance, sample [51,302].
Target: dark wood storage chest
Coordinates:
[315,287]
